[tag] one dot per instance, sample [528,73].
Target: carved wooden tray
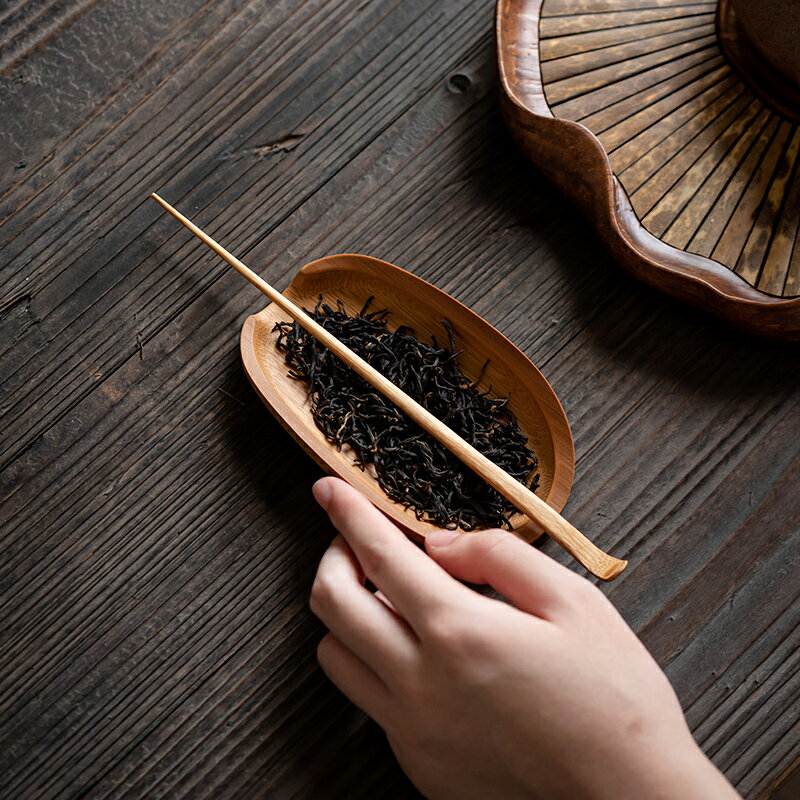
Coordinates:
[691,179]
[351,279]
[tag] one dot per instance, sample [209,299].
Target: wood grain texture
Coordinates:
[153,586]
[663,168]
[638,99]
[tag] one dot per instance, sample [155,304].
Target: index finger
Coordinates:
[415,584]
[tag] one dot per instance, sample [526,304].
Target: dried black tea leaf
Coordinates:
[410,465]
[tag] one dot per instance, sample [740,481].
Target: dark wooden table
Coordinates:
[158,533]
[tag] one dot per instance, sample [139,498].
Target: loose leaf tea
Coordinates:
[410,465]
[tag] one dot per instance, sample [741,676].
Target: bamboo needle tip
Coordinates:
[613,570]
[175,213]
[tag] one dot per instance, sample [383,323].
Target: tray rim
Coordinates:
[587,178]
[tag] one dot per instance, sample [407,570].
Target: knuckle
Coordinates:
[373,558]
[495,542]
[492,546]
[323,593]
[453,631]
[440,625]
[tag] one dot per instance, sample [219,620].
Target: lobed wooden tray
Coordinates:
[690,176]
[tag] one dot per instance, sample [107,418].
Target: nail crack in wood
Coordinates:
[140,345]
[10,302]
[261,151]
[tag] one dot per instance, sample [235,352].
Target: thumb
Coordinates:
[530,580]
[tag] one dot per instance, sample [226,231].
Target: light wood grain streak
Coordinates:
[573,65]
[581,107]
[561,7]
[628,140]
[571,88]
[591,41]
[556,26]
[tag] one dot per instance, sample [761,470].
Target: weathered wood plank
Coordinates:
[27,22]
[157,641]
[104,279]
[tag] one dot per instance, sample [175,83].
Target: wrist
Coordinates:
[675,770]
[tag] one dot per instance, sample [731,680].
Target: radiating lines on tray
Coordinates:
[707,166]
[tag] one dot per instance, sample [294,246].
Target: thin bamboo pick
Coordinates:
[570,538]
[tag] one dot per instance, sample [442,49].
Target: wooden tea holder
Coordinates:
[691,178]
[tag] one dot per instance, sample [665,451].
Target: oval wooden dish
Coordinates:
[690,177]
[421,306]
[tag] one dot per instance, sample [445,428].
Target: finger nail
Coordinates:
[440,538]
[322,491]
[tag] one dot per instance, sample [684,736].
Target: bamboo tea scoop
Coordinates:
[591,557]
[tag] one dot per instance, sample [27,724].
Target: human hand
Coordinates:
[551,697]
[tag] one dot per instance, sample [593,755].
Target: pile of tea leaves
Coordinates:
[411,467]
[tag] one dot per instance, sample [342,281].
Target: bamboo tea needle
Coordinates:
[570,538]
